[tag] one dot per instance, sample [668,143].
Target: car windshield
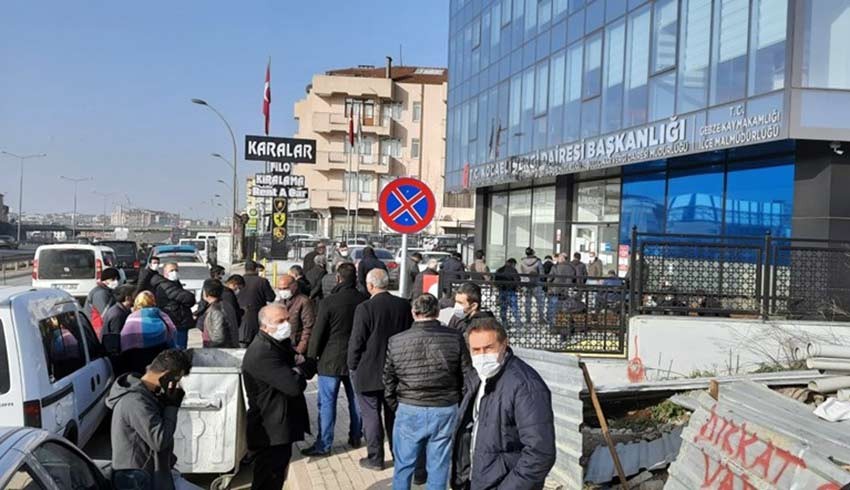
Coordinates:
[178,257]
[193,273]
[124,250]
[69,263]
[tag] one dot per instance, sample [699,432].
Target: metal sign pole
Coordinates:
[402,279]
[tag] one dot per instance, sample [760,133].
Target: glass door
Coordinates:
[601,239]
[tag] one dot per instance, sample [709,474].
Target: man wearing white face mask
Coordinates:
[505,436]
[301,313]
[277,411]
[467,307]
[176,302]
[101,297]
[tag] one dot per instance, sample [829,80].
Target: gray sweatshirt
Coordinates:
[142,430]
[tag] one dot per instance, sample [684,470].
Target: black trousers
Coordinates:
[372,407]
[270,467]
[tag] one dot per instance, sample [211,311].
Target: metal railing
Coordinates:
[555,313]
[794,278]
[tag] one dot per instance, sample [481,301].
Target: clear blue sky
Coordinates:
[103,87]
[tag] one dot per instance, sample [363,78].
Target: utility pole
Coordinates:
[21,158]
[76,181]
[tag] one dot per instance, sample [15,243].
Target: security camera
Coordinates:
[836,148]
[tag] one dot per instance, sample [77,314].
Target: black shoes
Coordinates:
[420,479]
[314,453]
[371,465]
[354,443]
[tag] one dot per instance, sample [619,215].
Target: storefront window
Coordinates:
[543,220]
[519,223]
[637,62]
[767,46]
[694,55]
[597,201]
[643,204]
[825,37]
[496,224]
[759,199]
[695,201]
[729,65]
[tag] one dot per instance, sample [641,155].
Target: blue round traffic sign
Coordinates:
[407,205]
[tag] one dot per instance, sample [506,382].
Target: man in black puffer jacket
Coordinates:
[176,302]
[423,381]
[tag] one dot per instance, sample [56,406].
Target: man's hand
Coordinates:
[173,395]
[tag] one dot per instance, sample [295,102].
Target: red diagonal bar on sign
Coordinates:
[407,205]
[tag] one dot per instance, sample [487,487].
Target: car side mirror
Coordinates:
[134,479]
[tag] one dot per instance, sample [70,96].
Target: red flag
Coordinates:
[267,95]
[351,131]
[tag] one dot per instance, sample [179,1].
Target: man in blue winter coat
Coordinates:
[505,435]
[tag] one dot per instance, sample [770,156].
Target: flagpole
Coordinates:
[357,198]
[350,174]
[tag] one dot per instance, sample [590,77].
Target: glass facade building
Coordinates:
[576,120]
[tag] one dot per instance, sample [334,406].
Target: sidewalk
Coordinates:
[341,470]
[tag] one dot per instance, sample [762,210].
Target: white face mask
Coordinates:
[112,284]
[486,365]
[284,294]
[154,266]
[459,310]
[284,330]
[343,253]
[173,276]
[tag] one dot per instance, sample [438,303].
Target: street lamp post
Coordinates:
[235,188]
[74,216]
[21,158]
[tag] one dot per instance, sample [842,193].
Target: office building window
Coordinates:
[544,14]
[664,27]
[662,96]
[414,148]
[572,107]
[695,201]
[643,204]
[557,70]
[767,46]
[637,63]
[729,65]
[592,65]
[541,95]
[612,94]
[694,55]
[590,118]
[759,199]
[417,111]
[594,15]
[527,109]
[514,116]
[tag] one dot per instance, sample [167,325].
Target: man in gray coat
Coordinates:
[144,418]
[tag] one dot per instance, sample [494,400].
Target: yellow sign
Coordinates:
[279,219]
[279,234]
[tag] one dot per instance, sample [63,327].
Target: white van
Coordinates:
[70,267]
[54,373]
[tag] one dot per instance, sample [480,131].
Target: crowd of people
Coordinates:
[456,406]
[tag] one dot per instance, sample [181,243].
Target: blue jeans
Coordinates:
[181,339]
[418,427]
[508,299]
[328,393]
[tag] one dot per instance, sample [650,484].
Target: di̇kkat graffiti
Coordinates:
[735,456]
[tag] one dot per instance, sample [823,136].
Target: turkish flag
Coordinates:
[351,131]
[267,95]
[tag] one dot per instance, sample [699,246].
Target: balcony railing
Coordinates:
[327,122]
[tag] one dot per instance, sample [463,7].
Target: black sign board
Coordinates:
[279,217]
[278,180]
[273,149]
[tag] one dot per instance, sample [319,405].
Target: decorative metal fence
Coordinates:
[793,278]
[555,313]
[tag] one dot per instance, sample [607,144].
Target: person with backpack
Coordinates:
[530,269]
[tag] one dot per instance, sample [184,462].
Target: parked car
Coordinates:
[384,256]
[8,241]
[202,245]
[192,276]
[54,373]
[127,257]
[176,253]
[426,256]
[71,267]
[36,459]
